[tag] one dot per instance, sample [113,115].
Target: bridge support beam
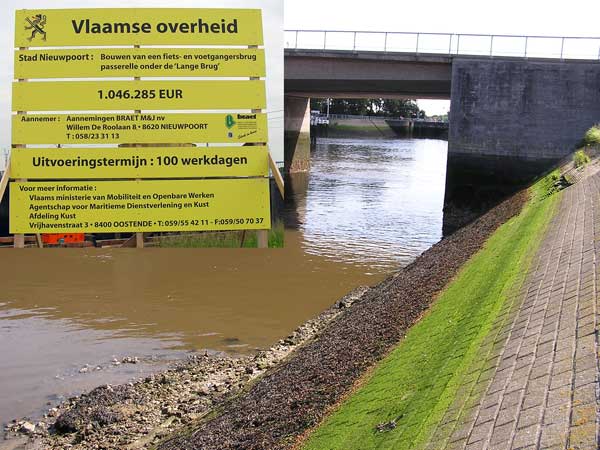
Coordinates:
[297,134]
[510,121]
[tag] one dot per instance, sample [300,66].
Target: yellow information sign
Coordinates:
[149,205]
[131,95]
[149,162]
[178,128]
[140,26]
[140,62]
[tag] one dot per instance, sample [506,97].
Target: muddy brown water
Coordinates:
[66,315]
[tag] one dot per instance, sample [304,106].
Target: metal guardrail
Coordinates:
[558,47]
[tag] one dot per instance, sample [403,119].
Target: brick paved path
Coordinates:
[535,381]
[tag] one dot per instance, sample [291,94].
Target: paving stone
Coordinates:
[525,437]
[535,385]
[583,437]
[554,435]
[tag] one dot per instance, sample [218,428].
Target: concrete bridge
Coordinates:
[518,104]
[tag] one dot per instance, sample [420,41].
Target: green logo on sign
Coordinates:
[229,122]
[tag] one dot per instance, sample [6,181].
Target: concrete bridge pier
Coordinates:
[297,134]
[510,121]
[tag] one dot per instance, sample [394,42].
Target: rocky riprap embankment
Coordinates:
[280,406]
[250,406]
[136,415]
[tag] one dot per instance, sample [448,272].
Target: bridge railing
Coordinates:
[559,47]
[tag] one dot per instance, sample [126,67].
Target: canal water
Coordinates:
[70,318]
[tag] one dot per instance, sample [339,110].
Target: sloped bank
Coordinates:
[277,408]
[407,394]
[264,401]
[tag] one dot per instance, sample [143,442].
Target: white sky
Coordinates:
[272,15]
[519,17]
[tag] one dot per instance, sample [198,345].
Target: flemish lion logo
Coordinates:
[37,24]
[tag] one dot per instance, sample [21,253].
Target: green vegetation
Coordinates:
[416,383]
[368,107]
[550,184]
[580,158]
[592,136]
[222,239]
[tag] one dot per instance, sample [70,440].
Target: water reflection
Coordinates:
[370,201]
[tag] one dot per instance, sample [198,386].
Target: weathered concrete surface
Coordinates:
[360,74]
[535,381]
[522,109]
[297,134]
[512,119]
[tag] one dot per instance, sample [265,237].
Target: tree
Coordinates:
[368,107]
[399,108]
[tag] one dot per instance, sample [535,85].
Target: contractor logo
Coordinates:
[229,122]
[36,25]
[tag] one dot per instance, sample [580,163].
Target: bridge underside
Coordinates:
[346,74]
[352,74]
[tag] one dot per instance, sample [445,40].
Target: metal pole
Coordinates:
[296,46]
[325,40]
[562,47]
[458,44]
[354,43]
[491,45]
[328,101]
[450,45]
[417,49]
[525,46]
[385,43]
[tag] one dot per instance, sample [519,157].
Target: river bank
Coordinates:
[275,410]
[275,407]
[137,414]
[248,405]
[370,230]
[348,223]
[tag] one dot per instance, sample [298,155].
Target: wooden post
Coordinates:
[277,175]
[263,238]
[139,240]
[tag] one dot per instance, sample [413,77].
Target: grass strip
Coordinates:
[419,379]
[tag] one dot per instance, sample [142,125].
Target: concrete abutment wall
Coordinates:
[297,134]
[511,120]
